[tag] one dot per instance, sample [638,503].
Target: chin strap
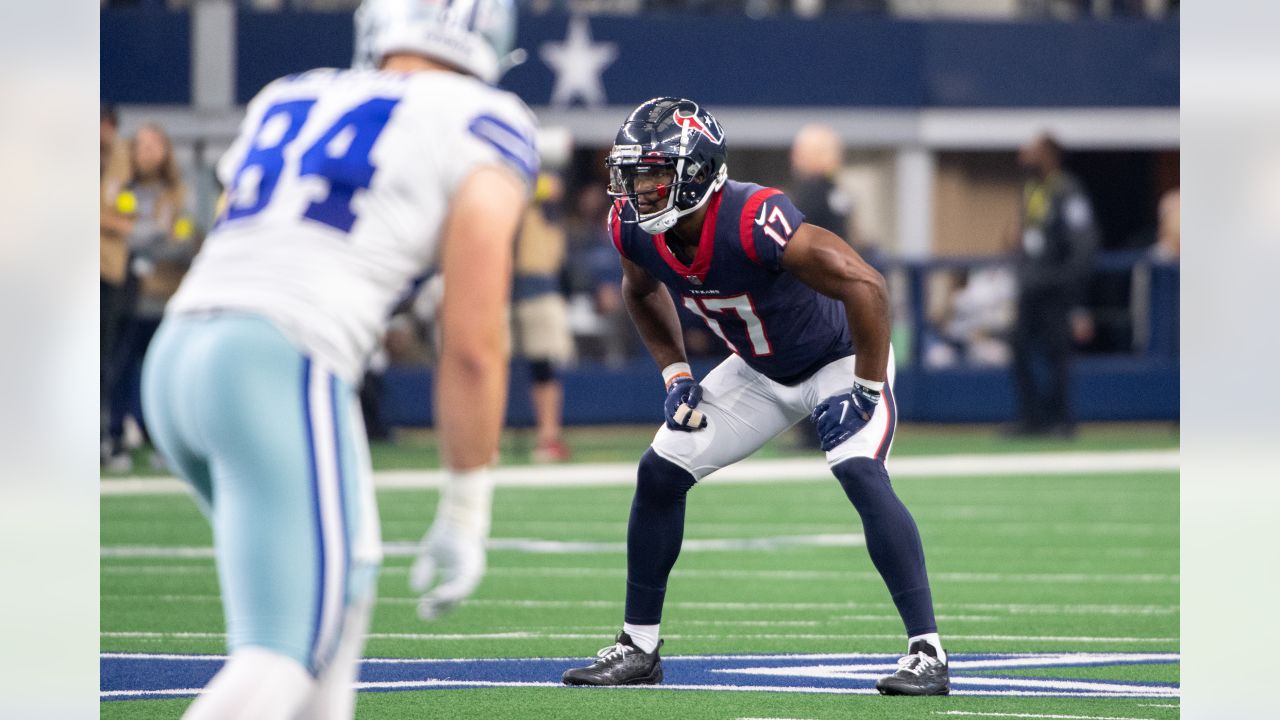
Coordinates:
[665,220]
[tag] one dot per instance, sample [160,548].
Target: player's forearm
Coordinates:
[655,318]
[471,399]
[866,304]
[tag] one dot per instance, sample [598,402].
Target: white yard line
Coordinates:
[1031,715]
[1014,609]
[531,635]
[427,684]
[1007,660]
[751,471]
[559,547]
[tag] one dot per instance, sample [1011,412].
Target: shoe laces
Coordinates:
[614,651]
[916,664]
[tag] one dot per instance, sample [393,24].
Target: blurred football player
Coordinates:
[343,188]
[807,323]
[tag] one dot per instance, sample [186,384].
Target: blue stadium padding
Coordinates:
[1104,388]
[145,56]
[848,61]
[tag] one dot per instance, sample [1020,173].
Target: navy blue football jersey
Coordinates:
[737,286]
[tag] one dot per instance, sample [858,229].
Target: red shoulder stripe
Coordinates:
[745,234]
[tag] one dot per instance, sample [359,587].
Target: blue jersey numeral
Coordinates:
[266,161]
[340,155]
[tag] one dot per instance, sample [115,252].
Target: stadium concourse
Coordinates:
[1054,563]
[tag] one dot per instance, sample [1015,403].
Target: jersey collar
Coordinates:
[697,272]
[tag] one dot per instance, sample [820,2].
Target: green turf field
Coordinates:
[1036,563]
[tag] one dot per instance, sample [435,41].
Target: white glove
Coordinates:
[453,550]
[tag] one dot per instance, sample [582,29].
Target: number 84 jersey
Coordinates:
[737,287]
[337,190]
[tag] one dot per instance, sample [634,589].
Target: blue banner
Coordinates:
[776,62]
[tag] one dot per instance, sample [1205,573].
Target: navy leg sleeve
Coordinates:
[892,540]
[654,534]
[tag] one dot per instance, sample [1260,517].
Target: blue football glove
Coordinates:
[682,398]
[841,416]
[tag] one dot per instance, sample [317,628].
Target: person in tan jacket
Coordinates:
[159,242]
[114,228]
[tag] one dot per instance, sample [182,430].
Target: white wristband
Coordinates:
[877,385]
[675,370]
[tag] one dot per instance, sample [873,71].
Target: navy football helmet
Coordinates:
[681,142]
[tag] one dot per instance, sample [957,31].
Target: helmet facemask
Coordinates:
[677,185]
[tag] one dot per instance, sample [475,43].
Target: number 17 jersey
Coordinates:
[337,190]
[736,284]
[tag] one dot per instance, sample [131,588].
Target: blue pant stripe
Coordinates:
[312,465]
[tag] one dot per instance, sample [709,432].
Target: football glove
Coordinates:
[683,397]
[458,560]
[451,555]
[841,416]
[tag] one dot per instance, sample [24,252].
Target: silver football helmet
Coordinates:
[474,36]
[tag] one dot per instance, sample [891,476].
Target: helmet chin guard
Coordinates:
[666,218]
[668,133]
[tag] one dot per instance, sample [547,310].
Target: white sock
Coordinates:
[932,639]
[645,637]
[255,684]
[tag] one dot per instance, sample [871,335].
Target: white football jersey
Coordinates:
[338,187]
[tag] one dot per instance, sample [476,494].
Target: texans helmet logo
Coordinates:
[691,122]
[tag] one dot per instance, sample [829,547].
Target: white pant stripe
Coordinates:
[332,522]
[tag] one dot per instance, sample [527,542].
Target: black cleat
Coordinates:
[919,673]
[619,664]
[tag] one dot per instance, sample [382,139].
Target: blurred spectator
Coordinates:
[600,323]
[113,246]
[160,246]
[1166,250]
[1058,240]
[541,315]
[1169,226]
[974,328]
[816,156]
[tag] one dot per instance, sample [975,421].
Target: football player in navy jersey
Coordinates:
[807,323]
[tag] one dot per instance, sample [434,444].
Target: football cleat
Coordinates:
[621,663]
[920,672]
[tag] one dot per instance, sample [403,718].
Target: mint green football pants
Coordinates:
[274,446]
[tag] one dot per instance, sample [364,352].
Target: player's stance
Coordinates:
[792,302]
[342,188]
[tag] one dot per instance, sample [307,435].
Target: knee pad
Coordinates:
[542,371]
[660,480]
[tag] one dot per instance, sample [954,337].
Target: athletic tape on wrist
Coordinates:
[466,500]
[674,371]
[876,385]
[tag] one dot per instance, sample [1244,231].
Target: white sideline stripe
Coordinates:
[531,635]
[1013,659]
[969,714]
[749,471]
[425,684]
[1165,707]
[874,672]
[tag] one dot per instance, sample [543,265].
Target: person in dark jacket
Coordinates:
[1059,236]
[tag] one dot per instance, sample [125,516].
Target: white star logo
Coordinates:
[578,63]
